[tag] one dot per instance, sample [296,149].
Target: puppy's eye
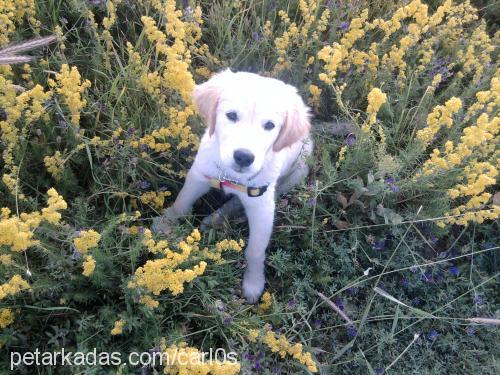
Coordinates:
[269,125]
[233,116]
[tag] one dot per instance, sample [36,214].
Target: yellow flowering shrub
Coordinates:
[118,327]
[375,100]
[88,266]
[6,318]
[267,301]
[85,240]
[70,86]
[54,164]
[15,285]
[17,232]
[282,346]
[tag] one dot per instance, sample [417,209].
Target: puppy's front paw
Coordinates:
[165,223]
[253,286]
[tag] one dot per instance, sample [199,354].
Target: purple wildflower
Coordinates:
[344,26]
[405,282]
[276,370]
[454,270]
[291,304]
[416,301]
[379,245]
[340,303]
[350,139]
[479,300]
[311,201]
[227,320]
[247,356]
[389,180]
[413,269]
[257,366]
[144,185]
[432,335]
[316,323]
[391,183]
[427,276]
[379,371]
[130,131]
[351,331]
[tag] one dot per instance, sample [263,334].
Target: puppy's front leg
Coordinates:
[260,214]
[194,187]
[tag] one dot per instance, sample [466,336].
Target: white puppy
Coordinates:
[254,147]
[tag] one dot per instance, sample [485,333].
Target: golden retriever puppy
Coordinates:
[254,147]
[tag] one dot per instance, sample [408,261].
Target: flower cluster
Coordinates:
[15,285]
[160,274]
[85,240]
[267,301]
[17,231]
[69,84]
[88,266]
[155,199]
[54,164]
[375,100]
[118,327]
[441,115]
[188,360]
[282,346]
[12,13]
[6,318]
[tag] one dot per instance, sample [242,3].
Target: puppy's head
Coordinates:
[251,116]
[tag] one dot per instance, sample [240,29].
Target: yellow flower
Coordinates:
[6,259]
[375,100]
[282,346]
[86,240]
[15,285]
[118,327]
[6,318]
[54,164]
[149,302]
[155,199]
[252,335]
[439,117]
[315,99]
[188,360]
[17,232]
[88,266]
[70,86]
[267,301]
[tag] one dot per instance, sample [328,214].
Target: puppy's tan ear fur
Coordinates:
[206,98]
[296,126]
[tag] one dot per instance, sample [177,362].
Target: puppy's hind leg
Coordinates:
[232,209]
[296,177]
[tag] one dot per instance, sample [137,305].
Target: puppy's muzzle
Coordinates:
[243,157]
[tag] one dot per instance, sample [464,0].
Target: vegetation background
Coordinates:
[385,261]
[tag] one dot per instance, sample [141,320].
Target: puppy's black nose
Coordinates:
[243,157]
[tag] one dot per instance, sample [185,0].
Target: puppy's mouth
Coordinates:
[239,169]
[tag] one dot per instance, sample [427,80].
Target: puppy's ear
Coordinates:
[206,98]
[296,126]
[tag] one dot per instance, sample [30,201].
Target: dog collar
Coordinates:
[249,190]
